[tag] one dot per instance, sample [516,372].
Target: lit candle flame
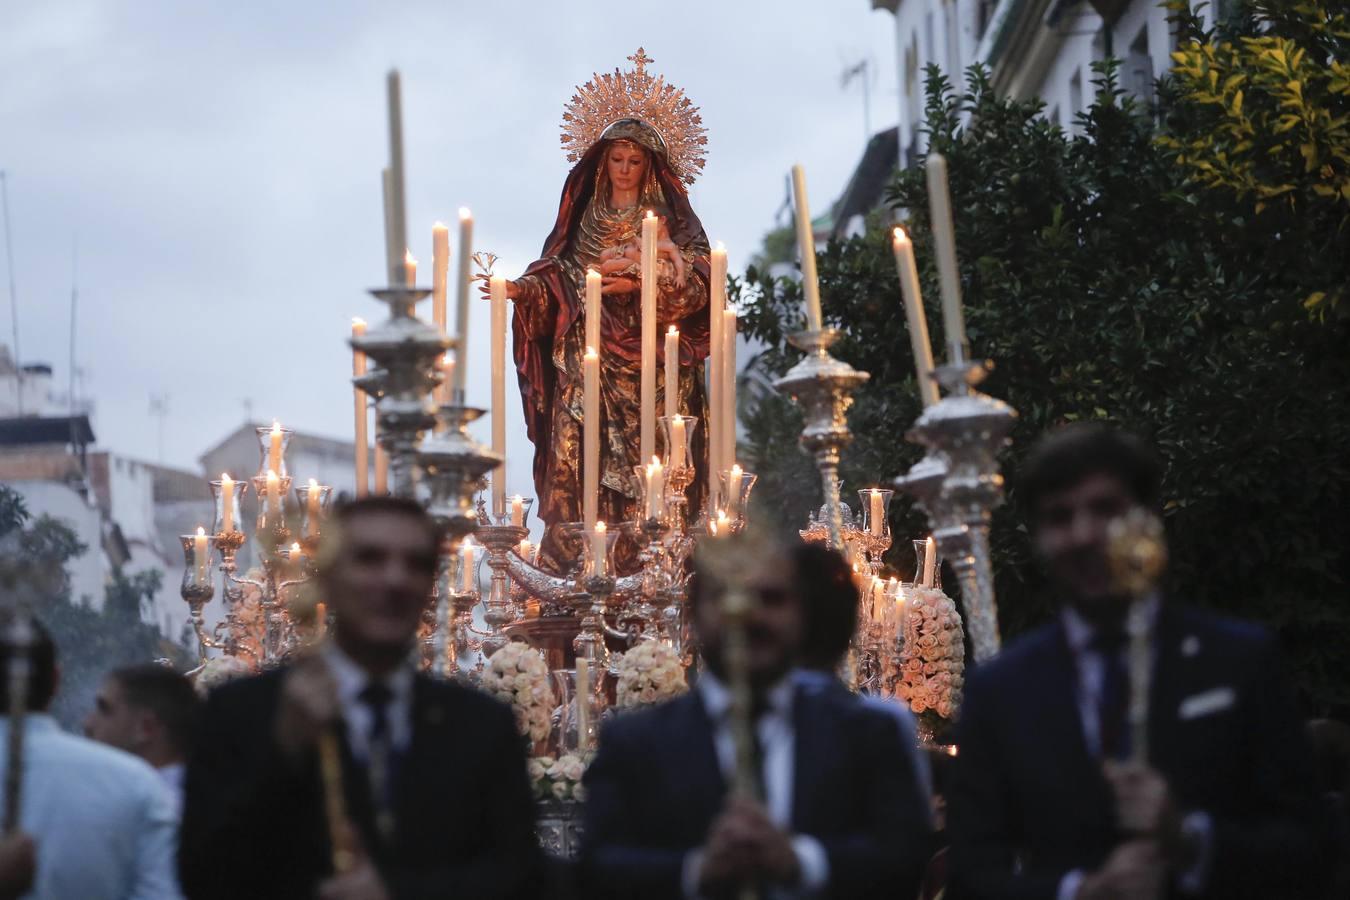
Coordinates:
[465,214]
[201,532]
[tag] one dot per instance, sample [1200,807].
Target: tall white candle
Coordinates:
[944,245]
[440,272]
[273,494]
[201,557]
[728,387]
[914,315]
[396,177]
[717,301]
[312,508]
[677,439]
[362,414]
[463,279]
[583,701]
[672,373]
[409,268]
[656,489]
[467,582]
[497,295]
[593,285]
[444,390]
[590,439]
[392,260]
[598,535]
[806,244]
[517,511]
[647,387]
[929,562]
[226,503]
[274,447]
[381,463]
[876,513]
[735,475]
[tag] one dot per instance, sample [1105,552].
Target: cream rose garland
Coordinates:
[649,673]
[932,660]
[558,778]
[518,675]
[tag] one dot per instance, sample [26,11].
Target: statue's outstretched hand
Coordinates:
[512,289]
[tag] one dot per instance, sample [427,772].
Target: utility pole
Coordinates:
[13,297]
[159,408]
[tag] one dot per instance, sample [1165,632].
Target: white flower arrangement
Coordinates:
[932,660]
[649,673]
[558,779]
[518,675]
[219,670]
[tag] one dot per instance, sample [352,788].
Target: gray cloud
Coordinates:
[220,165]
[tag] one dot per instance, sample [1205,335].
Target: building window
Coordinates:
[1137,76]
[1075,96]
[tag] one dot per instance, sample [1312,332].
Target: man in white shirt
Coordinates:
[102,820]
[149,710]
[841,814]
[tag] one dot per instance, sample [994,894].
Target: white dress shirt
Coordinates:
[351,680]
[778,742]
[172,775]
[102,819]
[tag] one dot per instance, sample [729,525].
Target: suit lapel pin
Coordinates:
[1190,646]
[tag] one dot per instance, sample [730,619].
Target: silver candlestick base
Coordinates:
[966,429]
[453,465]
[404,349]
[823,386]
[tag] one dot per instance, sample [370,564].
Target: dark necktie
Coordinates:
[1114,697]
[377,696]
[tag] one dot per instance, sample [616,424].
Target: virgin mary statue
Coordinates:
[636,143]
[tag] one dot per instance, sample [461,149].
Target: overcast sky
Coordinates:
[219,166]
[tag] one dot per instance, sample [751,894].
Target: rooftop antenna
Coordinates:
[862,71]
[13,301]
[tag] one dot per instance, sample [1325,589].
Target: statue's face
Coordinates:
[626,164]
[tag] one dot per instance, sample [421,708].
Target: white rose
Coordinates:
[579,792]
[944,709]
[916,705]
[560,790]
[574,770]
[536,769]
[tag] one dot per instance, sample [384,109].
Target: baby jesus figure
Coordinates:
[626,260]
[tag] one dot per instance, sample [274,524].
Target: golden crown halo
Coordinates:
[636,94]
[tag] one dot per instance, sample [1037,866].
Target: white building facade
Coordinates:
[1032,48]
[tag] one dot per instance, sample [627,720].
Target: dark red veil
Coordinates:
[534,355]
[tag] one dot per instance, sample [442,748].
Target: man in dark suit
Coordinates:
[841,815]
[434,782]
[1046,801]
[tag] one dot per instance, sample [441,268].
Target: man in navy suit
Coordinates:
[434,779]
[1045,802]
[842,814]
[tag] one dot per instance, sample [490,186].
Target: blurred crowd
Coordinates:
[351,773]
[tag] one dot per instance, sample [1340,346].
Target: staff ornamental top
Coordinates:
[636,94]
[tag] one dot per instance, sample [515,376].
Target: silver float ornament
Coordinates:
[404,350]
[823,387]
[965,429]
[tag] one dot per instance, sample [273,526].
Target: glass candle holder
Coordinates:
[313,500]
[272,443]
[651,483]
[736,486]
[927,564]
[677,436]
[581,701]
[466,567]
[598,547]
[516,511]
[198,584]
[876,507]
[271,490]
[228,494]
